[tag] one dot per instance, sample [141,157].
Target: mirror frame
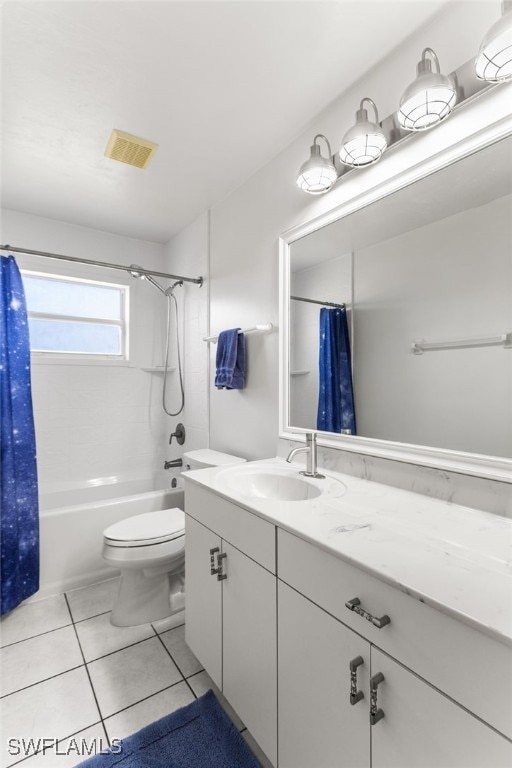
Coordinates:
[480,465]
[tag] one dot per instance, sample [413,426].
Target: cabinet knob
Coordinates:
[220,573]
[377,621]
[376,714]
[355,695]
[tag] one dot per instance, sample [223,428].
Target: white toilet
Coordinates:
[149,550]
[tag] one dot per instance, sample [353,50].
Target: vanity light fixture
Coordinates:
[364,143]
[318,174]
[428,99]
[494,60]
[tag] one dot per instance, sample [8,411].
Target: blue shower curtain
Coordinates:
[336,398]
[19,519]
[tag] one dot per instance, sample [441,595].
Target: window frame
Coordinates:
[84,358]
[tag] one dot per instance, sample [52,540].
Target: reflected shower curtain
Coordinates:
[335,399]
[19,519]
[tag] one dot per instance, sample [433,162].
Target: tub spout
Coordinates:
[173,463]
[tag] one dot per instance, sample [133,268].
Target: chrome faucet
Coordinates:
[310,448]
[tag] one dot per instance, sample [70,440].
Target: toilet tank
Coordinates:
[205,457]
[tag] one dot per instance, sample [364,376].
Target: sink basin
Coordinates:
[277,484]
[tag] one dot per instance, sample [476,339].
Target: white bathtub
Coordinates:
[73,518]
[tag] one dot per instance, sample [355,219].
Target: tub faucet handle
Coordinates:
[179,435]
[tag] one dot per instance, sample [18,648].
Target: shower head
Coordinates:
[135,273]
[170,291]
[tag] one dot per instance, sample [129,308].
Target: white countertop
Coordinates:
[454,558]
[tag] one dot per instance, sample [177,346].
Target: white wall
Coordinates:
[447,280]
[97,420]
[245,227]
[187,254]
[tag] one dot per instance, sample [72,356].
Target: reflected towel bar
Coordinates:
[421,346]
[265,328]
[315,301]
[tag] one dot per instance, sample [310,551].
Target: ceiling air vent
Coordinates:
[130,149]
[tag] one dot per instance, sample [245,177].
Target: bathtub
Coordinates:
[73,517]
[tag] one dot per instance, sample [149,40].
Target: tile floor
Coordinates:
[68,674]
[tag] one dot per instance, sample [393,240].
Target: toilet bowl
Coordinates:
[149,551]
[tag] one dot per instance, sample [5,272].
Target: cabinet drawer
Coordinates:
[247,532]
[471,667]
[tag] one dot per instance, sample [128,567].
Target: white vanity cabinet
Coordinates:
[321,662]
[415,724]
[423,728]
[204,598]
[231,613]
[295,635]
[318,726]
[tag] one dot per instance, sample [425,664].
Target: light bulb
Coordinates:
[427,100]
[494,60]
[317,174]
[364,143]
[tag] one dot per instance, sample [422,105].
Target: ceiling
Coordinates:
[221,87]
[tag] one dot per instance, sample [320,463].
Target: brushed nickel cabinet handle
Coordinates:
[377,621]
[220,573]
[355,695]
[376,714]
[213,570]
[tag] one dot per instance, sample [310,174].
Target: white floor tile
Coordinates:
[67,753]
[256,750]
[54,709]
[126,677]
[186,662]
[163,625]
[38,658]
[145,712]
[90,601]
[31,619]
[99,637]
[201,683]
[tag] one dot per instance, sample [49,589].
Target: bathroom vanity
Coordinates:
[350,623]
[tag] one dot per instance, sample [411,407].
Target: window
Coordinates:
[75,317]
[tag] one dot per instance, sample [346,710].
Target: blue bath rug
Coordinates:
[199,735]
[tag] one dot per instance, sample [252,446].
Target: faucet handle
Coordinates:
[179,435]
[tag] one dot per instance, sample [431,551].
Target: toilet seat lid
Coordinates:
[148,528]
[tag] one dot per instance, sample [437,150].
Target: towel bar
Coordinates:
[265,328]
[505,340]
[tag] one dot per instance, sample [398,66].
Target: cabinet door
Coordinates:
[203,597]
[423,728]
[250,646]
[317,724]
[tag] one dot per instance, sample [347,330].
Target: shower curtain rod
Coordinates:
[323,303]
[140,270]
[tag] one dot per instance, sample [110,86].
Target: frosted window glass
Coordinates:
[67,336]
[62,297]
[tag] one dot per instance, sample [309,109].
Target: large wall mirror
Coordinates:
[406,306]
